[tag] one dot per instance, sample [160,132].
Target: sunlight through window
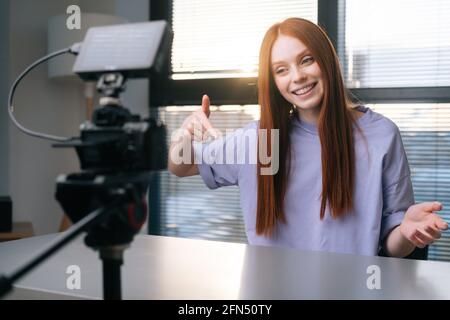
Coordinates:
[221,38]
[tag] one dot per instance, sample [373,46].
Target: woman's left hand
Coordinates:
[421,225]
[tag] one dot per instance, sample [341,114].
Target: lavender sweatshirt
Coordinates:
[383,189]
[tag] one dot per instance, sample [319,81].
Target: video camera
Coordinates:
[115,140]
[117,150]
[115,145]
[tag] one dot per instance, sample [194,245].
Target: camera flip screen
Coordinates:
[134,49]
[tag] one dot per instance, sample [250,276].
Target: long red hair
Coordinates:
[334,127]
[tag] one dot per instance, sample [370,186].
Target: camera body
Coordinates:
[117,150]
[116,141]
[123,144]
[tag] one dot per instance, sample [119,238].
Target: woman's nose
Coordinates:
[298,75]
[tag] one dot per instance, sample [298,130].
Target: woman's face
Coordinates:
[297,74]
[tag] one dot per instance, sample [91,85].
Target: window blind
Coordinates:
[425,130]
[401,43]
[221,38]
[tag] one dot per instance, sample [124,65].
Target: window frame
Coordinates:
[165,91]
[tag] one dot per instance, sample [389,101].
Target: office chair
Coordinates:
[417,254]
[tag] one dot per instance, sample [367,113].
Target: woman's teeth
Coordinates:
[304,90]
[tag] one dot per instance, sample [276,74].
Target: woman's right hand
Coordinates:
[197,125]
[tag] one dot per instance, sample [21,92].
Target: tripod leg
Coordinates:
[112,258]
[111,279]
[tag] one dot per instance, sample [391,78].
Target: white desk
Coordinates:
[175,268]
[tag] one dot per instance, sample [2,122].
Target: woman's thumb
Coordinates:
[205,105]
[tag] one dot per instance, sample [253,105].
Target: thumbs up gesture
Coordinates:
[421,225]
[198,124]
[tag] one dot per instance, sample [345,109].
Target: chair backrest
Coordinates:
[417,254]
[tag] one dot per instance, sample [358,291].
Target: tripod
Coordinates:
[110,227]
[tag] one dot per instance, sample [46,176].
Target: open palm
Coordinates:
[421,225]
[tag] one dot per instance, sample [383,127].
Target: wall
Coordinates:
[4,84]
[43,105]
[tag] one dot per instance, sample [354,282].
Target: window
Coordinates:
[401,43]
[221,38]
[395,55]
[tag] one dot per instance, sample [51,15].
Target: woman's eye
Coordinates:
[280,70]
[307,60]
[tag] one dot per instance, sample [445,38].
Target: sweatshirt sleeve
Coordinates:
[398,193]
[219,161]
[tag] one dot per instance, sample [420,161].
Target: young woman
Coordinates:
[343,181]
